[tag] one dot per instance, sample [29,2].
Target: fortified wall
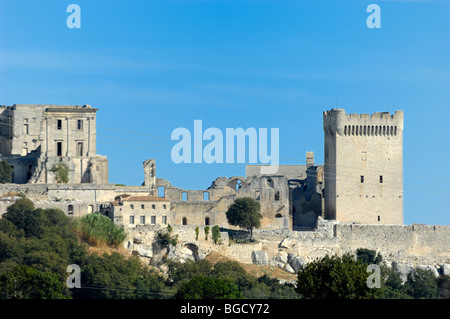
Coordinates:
[414,245]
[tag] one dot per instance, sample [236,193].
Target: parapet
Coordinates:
[376,124]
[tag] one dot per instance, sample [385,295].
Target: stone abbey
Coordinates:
[353,200]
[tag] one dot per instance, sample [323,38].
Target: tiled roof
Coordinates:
[148,198]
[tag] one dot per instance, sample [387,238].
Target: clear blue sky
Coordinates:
[153,66]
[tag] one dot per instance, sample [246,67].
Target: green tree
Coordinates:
[244,213]
[24,216]
[178,272]
[392,284]
[421,283]
[25,282]
[117,277]
[208,288]
[216,234]
[206,232]
[335,278]
[368,256]
[443,284]
[5,172]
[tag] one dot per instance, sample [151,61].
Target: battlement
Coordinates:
[337,121]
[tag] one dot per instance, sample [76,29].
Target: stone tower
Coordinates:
[363,167]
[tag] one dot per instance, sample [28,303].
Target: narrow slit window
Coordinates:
[381,179]
[362,179]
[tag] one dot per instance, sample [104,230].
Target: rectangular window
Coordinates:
[153,220]
[184,196]
[164,220]
[142,220]
[362,178]
[132,220]
[59,124]
[80,149]
[161,191]
[132,206]
[25,129]
[205,195]
[58,148]
[381,178]
[80,125]
[257,195]
[277,196]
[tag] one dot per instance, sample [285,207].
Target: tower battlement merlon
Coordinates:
[376,124]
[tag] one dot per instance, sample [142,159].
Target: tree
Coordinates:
[244,212]
[335,278]
[421,283]
[24,216]
[368,256]
[25,282]
[5,172]
[208,288]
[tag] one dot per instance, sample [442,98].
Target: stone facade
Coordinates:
[364,167]
[35,138]
[354,200]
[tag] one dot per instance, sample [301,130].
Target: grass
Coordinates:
[98,230]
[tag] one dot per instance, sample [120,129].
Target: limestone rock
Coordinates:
[282,257]
[403,269]
[288,268]
[144,250]
[297,263]
[259,257]
[445,269]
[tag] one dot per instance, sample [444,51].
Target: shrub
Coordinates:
[206,232]
[197,231]
[216,234]
[97,229]
[61,172]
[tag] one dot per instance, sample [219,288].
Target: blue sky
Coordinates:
[154,66]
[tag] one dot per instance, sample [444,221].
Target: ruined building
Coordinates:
[35,138]
[360,181]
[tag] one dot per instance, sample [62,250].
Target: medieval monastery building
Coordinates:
[354,200]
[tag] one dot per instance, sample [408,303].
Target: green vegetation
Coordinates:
[98,230]
[37,245]
[206,232]
[197,231]
[244,213]
[208,288]
[165,237]
[181,275]
[335,278]
[6,172]
[216,235]
[61,172]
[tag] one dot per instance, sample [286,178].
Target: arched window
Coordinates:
[278,216]
[345,130]
[184,221]
[70,209]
